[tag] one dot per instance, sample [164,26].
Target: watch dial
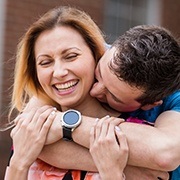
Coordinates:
[71,118]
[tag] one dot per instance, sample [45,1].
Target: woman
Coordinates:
[55,62]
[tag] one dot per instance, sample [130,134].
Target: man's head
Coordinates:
[141,68]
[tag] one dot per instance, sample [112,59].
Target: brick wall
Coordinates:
[19,15]
[170,16]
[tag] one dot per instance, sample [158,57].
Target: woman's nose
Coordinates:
[60,70]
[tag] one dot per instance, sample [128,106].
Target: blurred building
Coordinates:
[113,17]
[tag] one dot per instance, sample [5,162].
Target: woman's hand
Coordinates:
[109,148]
[55,132]
[29,135]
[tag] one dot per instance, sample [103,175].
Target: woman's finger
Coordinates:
[92,134]
[46,125]
[122,140]
[99,125]
[39,119]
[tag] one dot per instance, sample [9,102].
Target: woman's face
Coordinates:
[65,65]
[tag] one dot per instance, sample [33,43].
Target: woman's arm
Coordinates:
[29,136]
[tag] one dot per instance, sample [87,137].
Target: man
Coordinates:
[143,68]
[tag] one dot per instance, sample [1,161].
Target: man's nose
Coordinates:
[98,89]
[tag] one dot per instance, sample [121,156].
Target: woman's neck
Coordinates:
[93,108]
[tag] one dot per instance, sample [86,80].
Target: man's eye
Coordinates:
[115,99]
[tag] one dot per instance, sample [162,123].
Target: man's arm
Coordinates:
[155,147]
[76,157]
[140,173]
[68,155]
[151,147]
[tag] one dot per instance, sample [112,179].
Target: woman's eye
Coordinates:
[45,62]
[71,56]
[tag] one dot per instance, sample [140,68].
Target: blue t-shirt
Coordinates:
[171,102]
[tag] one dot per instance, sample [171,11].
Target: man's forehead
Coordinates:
[107,57]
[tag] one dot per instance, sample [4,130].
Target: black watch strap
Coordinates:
[67,134]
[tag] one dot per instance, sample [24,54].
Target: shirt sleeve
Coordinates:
[172,102]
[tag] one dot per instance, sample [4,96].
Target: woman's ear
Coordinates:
[150,106]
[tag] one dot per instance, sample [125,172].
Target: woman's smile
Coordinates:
[66,88]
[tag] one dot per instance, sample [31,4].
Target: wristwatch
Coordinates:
[70,120]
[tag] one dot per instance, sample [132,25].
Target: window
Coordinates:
[120,15]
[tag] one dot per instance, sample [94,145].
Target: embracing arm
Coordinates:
[158,147]
[68,155]
[151,147]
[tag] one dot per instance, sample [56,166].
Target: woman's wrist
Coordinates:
[55,132]
[15,172]
[17,165]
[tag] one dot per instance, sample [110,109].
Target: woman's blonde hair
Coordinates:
[26,83]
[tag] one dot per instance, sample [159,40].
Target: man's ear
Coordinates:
[150,106]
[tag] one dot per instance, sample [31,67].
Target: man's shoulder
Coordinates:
[171,102]
[175,95]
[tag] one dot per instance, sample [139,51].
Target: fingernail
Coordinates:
[53,112]
[97,119]
[117,128]
[54,108]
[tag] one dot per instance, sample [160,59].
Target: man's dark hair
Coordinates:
[148,57]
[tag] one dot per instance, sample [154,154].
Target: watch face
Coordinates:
[71,118]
